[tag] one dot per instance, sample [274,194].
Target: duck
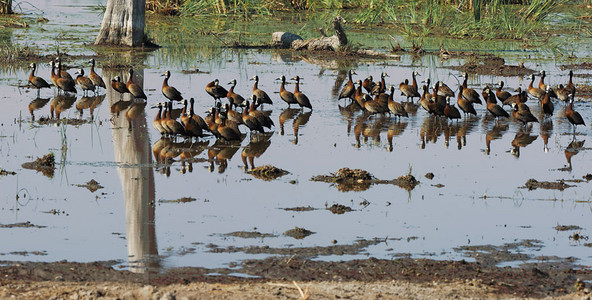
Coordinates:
[469,94]
[562,93]
[286,95]
[215,90]
[199,120]
[348,90]
[190,126]
[490,93]
[96,79]
[133,88]
[65,83]
[522,115]
[570,87]
[262,117]
[175,127]
[232,115]
[168,91]
[119,86]
[425,98]
[535,91]
[260,95]
[573,116]
[395,107]
[158,118]
[61,72]
[235,99]
[54,77]
[546,104]
[381,86]
[501,94]
[494,108]
[250,121]
[84,82]
[228,131]
[465,105]
[301,98]
[36,81]
[444,90]
[410,91]
[360,96]
[368,84]
[450,111]
[543,86]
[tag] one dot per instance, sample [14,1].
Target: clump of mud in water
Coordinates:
[267,172]
[588,177]
[298,233]
[180,200]
[73,122]
[429,175]
[299,208]
[533,184]
[348,179]
[250,234]
[360,180]
[339,209]
[92,185]
[45,165]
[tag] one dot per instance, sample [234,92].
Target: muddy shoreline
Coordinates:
[537,280]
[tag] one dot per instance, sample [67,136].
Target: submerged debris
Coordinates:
[45,165]
[180,200]
[4,172]
[360,180]
[300,208]
[249,234]
[588,177]
[567,227]
[74,122]
[429,175]
[488,64]
[298,233]
[92,185]
[267,172]
[339,209]
[533,184]
[21,225]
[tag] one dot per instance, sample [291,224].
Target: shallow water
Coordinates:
[480,201]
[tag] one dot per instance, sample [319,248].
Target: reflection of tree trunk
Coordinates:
[133,148]
[5,7]
[123,23]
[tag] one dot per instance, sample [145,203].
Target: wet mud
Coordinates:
[360,180]
[45,165]
[533,184]
[267,172]
[339,209]
[92,185]
[298,233]
[492,65]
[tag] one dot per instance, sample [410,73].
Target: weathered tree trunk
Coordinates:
[5,7]
[123,23]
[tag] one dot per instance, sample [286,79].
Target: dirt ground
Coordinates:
[281,278]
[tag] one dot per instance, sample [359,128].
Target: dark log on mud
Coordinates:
[336,43]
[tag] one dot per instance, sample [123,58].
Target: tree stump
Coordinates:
[123,23]
[336,42]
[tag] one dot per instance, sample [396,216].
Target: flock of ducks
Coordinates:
[437,102]
[223,121]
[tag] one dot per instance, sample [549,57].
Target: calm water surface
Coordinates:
[480,163]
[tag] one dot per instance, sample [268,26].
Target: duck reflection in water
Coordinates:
[431,129]
[522,139]
[546,130]
[89,103]
[347,112]
[256,147]
[285,115]
[496,132]
[368,129]
[134,112]
[394,130]
[300,121]
[220,153]
[572,149]
[37,104]
[60,104]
